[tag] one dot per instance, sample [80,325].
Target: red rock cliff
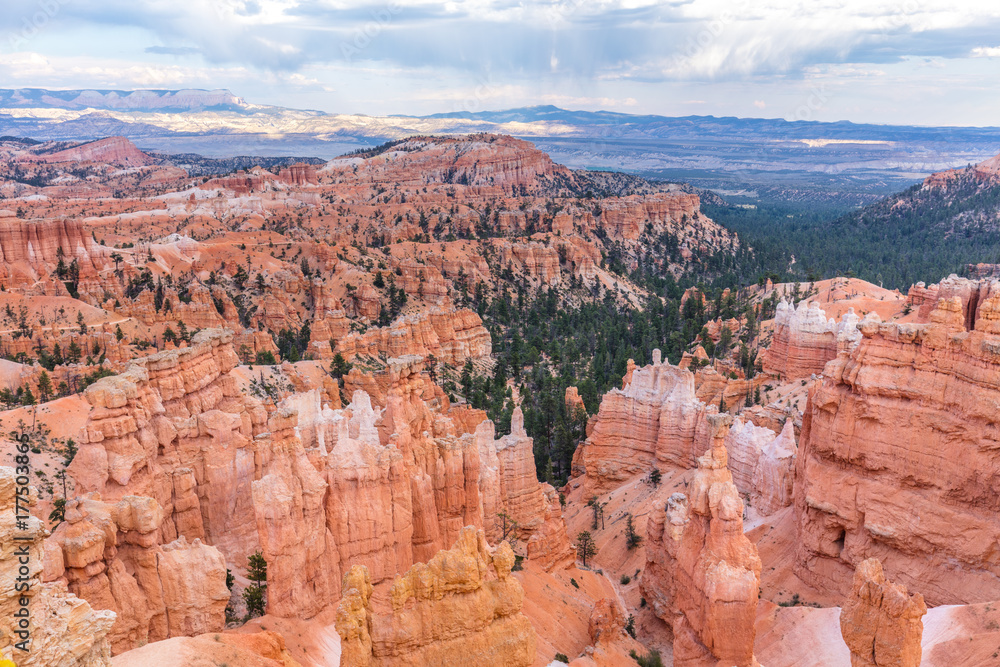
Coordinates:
[897,454]
[702,574]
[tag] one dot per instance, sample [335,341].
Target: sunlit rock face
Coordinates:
[896,457]
[461,607]
[63,630]
[880,621]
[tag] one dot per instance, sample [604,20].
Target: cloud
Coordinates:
[173,50]
[640,39]
[588,53]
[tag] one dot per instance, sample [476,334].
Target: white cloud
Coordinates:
[645,55]
[986,52]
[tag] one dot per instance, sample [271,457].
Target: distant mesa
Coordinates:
[112,150]
[123,100]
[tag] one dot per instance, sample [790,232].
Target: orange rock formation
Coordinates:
[805,340]
[110,556]
[654,421]
[763,464]
[61,629]
[317,489]
[895,452]
[880,621]
[461,607]
[702,574]
[118,151]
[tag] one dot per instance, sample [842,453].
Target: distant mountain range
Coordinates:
[746,159]
[174,101]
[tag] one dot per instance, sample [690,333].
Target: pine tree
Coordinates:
[508,528]
[44,386]
[585,546]
[632,538]
[74,353]
[339,367]
[598,507]
[28,398]
[254,595]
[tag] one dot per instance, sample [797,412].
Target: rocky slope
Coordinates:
[895,458]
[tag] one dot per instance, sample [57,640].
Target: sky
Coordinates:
[922,62]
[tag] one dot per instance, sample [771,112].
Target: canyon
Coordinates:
[321,368]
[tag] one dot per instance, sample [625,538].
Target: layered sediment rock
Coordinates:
[805,340]
[174,427]
[626,217]
[702,574]
[534,506]
[880,621]
[654,421]
[388,488]
[763,464]
[110,556]
[452,336]
[32,249]
[497,162]
[318,489]
[112,150]
[462,607]
[61,629]
[897,454]
[771,487]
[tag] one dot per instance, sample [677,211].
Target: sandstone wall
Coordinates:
[805,340]
[110,556]
[762,464]
[387,488]
[317,489]
[174,427]
[880,621]
[654,421]
[462,607]
[702,574]
[897,455]
[30,249]
[64,630]
[452,336]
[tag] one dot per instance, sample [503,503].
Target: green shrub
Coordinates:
[651,659]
